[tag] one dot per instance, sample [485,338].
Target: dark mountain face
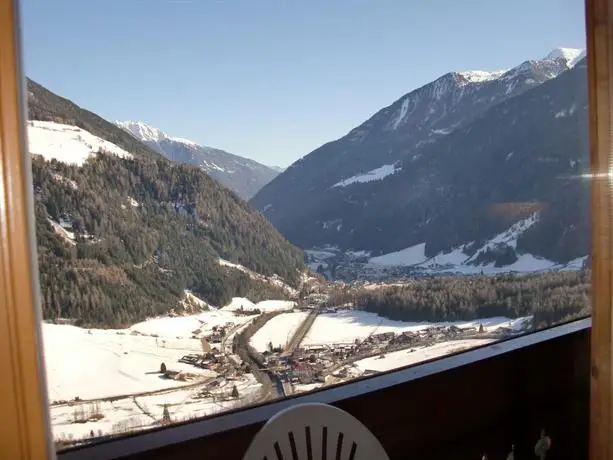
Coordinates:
[462,162]
[242,175]
[121,239]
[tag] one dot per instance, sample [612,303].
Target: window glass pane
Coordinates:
[366,186]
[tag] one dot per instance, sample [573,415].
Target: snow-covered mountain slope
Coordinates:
[401,131]
[68,144]
[450,164]
[242,175]
[496,255]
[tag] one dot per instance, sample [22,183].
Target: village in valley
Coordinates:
[185,366]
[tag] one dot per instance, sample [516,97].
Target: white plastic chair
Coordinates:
[314,431]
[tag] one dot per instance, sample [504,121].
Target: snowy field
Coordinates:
[264,306]
[347,325]
[402,358]
[108,381]
[279,330]
[66,143]
[97,363]
[92,364]
[111,376]
[142,412]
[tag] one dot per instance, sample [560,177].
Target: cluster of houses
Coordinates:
[218,333]
[316,363]
[215,361]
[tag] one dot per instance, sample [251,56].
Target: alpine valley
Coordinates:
[475,172]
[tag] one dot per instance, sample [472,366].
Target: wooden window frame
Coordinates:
[599,26]
[25,432]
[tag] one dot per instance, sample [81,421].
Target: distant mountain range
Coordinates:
[436,179]
[242,175]
[125,234]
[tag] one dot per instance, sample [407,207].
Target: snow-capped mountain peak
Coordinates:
[240,174]
[478,76]
[570,55]
[147,133]
[142,131]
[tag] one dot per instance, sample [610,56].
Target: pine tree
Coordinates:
[166,415]
[235,392]
[163,368]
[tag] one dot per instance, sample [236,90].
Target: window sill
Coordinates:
[215,424]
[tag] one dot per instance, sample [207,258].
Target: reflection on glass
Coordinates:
[181,280]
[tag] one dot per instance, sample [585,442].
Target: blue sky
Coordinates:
[274,79]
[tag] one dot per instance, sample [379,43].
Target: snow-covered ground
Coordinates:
[278,331]
[119,368]
[402,358]
[66,143]
[265,306]
[141,412]
[346,326]
[108,381]
[95,363]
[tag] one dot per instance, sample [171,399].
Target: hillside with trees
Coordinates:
[121,239]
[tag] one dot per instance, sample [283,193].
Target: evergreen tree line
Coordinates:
[129,261]
[550,297]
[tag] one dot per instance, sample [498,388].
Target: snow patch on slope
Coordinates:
[64,180]
[509,236]
[404,108]
[68,144]
[275,280]
[409,256]
[375,174]
[456,261]
[66,235]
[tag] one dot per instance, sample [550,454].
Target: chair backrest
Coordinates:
[314,431]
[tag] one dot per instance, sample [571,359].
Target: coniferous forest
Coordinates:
[550,298]
[143,232]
